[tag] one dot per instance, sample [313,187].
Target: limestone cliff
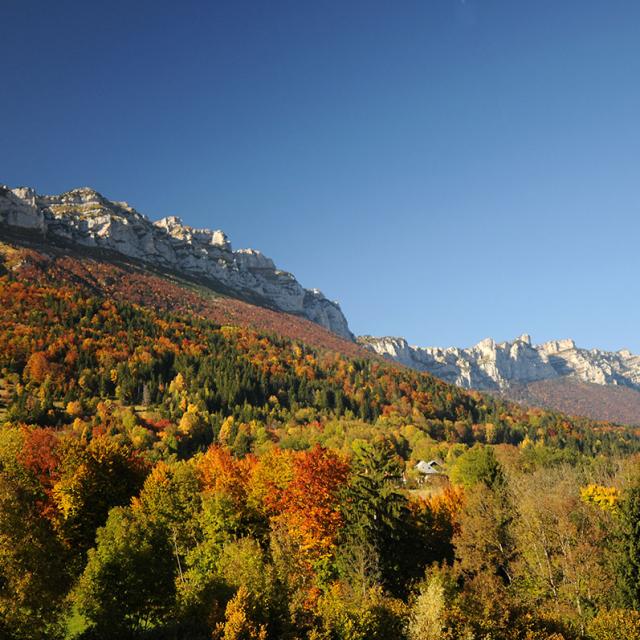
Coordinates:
[84,218]
[495,366]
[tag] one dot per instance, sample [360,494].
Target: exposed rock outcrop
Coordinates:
[85,218]
[495,366]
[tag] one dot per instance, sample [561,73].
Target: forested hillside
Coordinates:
[614,403]
[165,474]
[108,274]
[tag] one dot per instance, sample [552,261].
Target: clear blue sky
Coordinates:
[448,170]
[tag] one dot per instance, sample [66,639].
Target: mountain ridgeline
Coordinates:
[601,384]
[84,219]
[495,366]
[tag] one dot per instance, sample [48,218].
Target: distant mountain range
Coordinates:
[83,218]
[558,374]
[496,366]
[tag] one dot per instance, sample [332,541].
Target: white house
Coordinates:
[429,469]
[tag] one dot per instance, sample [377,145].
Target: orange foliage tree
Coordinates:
[309,505]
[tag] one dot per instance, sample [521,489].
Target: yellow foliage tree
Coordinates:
[428,612]
[177,384]
[606,498]
[616,624]
[190,421]
[240,623]
[74,408]
[226,433]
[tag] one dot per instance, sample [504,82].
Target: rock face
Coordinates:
[494,366]
[85,218]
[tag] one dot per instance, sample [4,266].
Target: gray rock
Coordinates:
[86,218]
[494,366]
[19,209]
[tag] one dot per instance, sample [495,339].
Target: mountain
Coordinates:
[109,249]
[493,366]
[150,421]
[84,219]
[556,374]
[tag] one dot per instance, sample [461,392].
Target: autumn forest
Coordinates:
[170,471]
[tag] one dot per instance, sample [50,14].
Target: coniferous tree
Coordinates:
[376,513]
[629,558]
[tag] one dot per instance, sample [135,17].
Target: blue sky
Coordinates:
[448,170]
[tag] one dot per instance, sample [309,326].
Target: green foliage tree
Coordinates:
[171,498]
[477,465]
[128,584]
[34,575]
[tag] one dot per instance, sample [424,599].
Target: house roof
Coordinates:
[433,467]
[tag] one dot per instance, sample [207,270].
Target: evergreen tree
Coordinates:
[375,512]
[629,558]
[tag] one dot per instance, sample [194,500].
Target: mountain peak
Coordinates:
[555,346]
[78,195]
[170,222]
[176,228]
[83,191]
[486,344]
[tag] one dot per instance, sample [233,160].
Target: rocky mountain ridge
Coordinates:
[85,218]
[491,366]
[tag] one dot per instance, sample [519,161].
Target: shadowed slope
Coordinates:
[599,402]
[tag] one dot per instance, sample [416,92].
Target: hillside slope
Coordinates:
[155,438]
[94,330]
[601,402]
[83,219]
[125,279]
